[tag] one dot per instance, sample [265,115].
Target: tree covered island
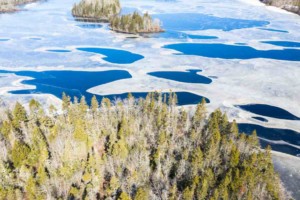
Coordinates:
[96,10]
[135,23]
[108,10]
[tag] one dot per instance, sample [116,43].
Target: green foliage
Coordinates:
[94,104]
[66,101]
[145,149]
[142,194]
[124,196]
[5,129]
[106,102]
[135,23]
[188,193]
[79,132]
[120,150]
[114,184]
[19,153]
[87,177]
[235,157]
[74,191]
[200,113]
[96,10]
[34,105]
[19,113]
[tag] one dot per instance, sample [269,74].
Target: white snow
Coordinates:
[264,81]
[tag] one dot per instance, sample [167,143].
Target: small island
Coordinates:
[96,10]
[135,23]
[8,6]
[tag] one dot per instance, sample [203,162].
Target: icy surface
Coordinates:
[45,37]
[289,171]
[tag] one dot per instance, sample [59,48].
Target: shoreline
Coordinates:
[138,33]
[14,7]
[270,7]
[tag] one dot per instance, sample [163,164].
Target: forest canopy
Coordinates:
[135,149]
[108,11]
[98,10]
[135,23]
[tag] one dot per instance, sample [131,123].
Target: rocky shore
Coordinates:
[289,5]
[8,6]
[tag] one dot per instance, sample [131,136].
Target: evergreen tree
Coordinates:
[19,113]
[94,104]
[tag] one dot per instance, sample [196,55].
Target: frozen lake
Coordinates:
[230,52]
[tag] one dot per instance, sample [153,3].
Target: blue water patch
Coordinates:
[114,55]
[260,119]
[4,40]
[226,51]
[89,25]
[76,84]
[58,50]
[184,98]
[269,111]
[275,135]
[197,21]
[202,37]
[283,43]
[73,83]
[273,30]
[180,35]
[190,76]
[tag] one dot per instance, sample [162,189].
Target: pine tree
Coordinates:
[19,153]
[34,106]
[66,101]
[20,113]
[124,196]
[94,104]
[142,194]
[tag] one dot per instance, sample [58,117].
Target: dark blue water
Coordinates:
[76,83]
[3,40]
[227,51]
[260,119]
[190,76]
[114,55]
[274,134]
[269,111]
[184,98]
[180,35]
[197,21]
[90,25]
[58,50]
[273,30]
[283,43]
